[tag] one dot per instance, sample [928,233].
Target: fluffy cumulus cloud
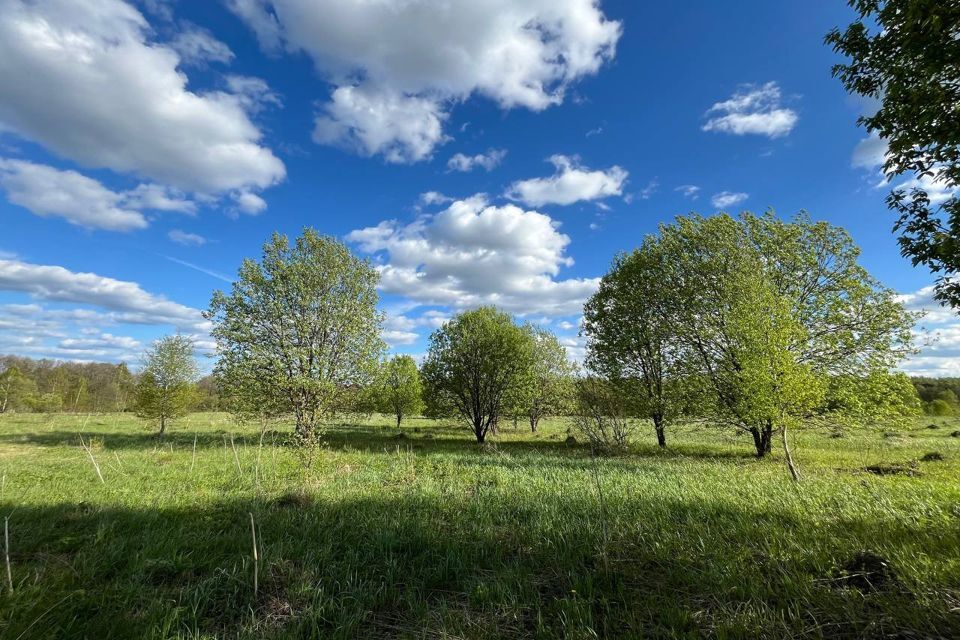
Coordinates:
[198,46]
[570,183]
[84,80]
[398,66]
[726,199]
[752,110]
[46,191]
[487,161]
[475,253]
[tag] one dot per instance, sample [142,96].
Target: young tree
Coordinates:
[630,338]
[167,384]
[904,54]
[299,329]
[551,384]
[399,390]
[15,388]
[472,362]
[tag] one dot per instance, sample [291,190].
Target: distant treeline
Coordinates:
[45,386]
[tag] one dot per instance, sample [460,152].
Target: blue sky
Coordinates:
[147,148]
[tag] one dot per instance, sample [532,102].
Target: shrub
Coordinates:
[601,416]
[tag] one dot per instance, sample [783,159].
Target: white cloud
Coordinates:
[434,197]
[569,184]
[726,199]
[871,154]
[754,110]
[83,201]
[78,199]
[647,192]
[488,160]
[937,334]
[253,93]
[691,191]
[127,299]
[198,46]
[249,203]
[398,67]
[186,239]
[158,198]
[474,253]
[82,79]
[368,121]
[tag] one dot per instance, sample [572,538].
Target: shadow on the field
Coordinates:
[419,436]
[472,564]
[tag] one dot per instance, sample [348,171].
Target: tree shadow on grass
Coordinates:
[469,565]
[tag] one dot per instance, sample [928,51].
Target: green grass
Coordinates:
[428,535]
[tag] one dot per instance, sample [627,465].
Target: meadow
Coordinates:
[421,533]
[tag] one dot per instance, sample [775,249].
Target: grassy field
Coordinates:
[423,534]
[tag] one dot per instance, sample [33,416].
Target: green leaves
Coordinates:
[167,385]
[299,330]
[904,55]
[472,362]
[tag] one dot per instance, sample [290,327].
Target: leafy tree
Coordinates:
[940,408]
[600,415]
[551,384]
[299,330]
[769,312]
[904,54]
[630,337]
[399,390]
[15,388]
[167,385]
[472,361]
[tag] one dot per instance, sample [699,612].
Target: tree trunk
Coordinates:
[761,439]
[399,418]
[658,426]
[533,424]
[479,431]
[794,472]
[163,424]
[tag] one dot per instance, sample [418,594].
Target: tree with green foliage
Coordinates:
[770,311]
[630,337]
[399,390]
[167,385]
[904,55]
[299,330]
[551,378]
[15,388]
[472,362]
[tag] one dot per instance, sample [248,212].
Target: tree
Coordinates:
[551,386]
[904,54]
[15,388]
[167,385]
[768,312]
[630,339]
[298,331]
[399,390]
[472,362]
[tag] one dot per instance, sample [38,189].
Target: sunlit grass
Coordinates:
[425,534]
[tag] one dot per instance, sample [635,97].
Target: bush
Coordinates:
[939,407]
[601,416]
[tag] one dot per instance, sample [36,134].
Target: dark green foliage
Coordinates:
[904,54]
